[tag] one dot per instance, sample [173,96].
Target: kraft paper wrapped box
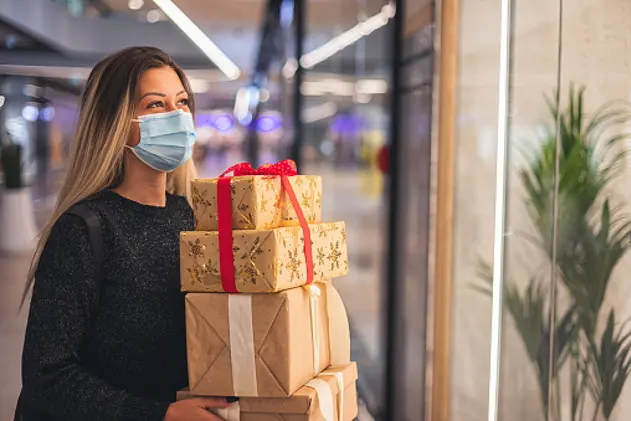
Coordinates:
[332,396]
[264,345]
[258,202]
[264,260]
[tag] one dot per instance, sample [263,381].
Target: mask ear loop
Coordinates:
[131,148]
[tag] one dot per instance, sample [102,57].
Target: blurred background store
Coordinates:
[273,79]
[435,127]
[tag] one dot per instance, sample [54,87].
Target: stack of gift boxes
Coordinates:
[267,326]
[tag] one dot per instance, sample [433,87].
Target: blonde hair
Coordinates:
[108,105]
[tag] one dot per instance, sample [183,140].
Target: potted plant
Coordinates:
[592,237]
[17,221]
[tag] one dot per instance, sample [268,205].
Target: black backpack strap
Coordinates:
[95,235]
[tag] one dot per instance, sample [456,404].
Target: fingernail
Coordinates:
[231,399]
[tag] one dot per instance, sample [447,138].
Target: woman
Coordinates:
[111,346]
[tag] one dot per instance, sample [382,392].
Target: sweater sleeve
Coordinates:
[64,298]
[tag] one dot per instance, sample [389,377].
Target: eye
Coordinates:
[184,101]
[155,104]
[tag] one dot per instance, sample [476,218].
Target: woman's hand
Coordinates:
[195,409]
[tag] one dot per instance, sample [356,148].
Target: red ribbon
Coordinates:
[282,169]
[285,168]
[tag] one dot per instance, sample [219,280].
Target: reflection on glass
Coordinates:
[345,123]
[566,344]
[593,231]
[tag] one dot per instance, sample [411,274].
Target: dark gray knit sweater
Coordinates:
[114,351]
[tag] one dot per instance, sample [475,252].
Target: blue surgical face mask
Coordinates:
[166,139]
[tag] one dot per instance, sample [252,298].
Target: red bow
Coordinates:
[283,169]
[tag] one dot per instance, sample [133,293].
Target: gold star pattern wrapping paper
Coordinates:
[265,261]
[258,202]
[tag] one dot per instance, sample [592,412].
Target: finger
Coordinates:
[211,402]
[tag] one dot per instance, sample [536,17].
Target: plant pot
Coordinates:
[17,221]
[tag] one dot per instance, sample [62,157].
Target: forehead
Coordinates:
[161,80]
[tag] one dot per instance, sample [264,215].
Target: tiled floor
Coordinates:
[351,197]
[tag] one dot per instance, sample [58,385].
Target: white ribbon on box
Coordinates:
[341,385]
[242,353]
[242,345]
[314,296]
[325,398]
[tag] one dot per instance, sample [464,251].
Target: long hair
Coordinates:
[107,108]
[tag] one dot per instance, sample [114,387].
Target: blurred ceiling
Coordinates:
[234,26]
[246,14]
[230,23]
[13,39]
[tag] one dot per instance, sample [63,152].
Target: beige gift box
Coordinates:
[258,202]
[264,260]
[264,345]
[331,396]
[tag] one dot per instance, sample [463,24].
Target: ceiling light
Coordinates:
[372,86]
[327,147]
[389,10]
[340,87]
[319,112]
[360,98]
[30,113]
[223,123]
[348,38]
[269,123]
[264,95]
[328,87]
[153,16]
[47,113]
[199,38]
[135,4]
[30,90]
[247,98]
[199,86]
[286,13]
[290,67]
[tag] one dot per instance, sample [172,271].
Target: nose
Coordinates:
[170,105]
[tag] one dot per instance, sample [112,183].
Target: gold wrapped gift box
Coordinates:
[309,403]
[258,202]
[264,260]
[264,345]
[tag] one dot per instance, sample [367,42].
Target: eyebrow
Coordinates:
[161,94]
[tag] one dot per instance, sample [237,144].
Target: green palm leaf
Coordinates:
[610,365]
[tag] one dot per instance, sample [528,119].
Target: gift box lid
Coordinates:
[304,401]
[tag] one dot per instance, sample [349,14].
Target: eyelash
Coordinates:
[156,104]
